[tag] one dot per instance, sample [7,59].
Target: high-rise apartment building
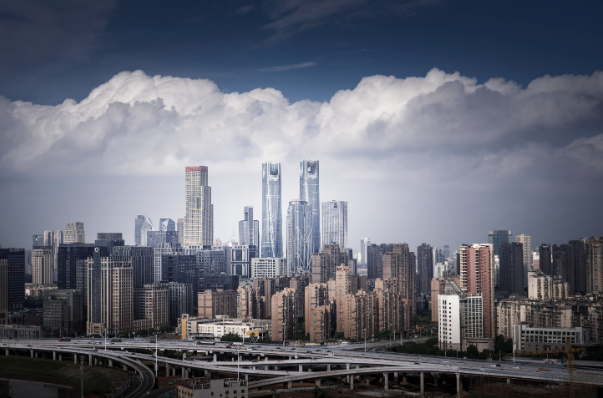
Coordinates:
[199,219]
[324,264]
[425,264]
[400,264]
[545,259]
[545,287]
[241,257]
[335,223]
[249,229]
[74,232]
[167,224]
[495,238]
[180,230]
[577,266]
[284,315]
[374,259]
[16,274]
[300,239]
[38,240]
[272,236]
[63,310]
[363,255]
[141,261]
[511,273]
[309,191]
[3,285]
[477,276]
[42,265]
[594,264]
[217,302]
[151,303]
[526,241]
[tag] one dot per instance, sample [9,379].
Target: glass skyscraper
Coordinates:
[167,224]
[299,237]
[199,219]
[495,238]
[335,223]
[141,226]
[309,191]
[272,236]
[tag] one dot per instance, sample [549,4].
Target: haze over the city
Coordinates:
[436,121]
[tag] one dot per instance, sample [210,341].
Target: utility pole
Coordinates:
[82,373]
[156,350]
[364,339]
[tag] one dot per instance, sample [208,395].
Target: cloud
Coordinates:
[140,124]
[288,67]
[244,9]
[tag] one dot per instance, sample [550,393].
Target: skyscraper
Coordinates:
[15,258]
[272,237]
[38,240]
[309,191]
[363,255]
[511,268]
[249,229]
[167,224]
[477,276]
[74,233]
[335,223]
[594,264]
[425,264]
[526,241]
[199,219]
[374,259]
[142,225]
[42,265]
[300,240]
[495,238]
[544,254]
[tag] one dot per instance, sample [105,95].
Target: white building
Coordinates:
[531,339]
[335,223]
[268,267]
[460,318]
[199,218]
[74,232]
[221,325]
[546,287]
[200,387]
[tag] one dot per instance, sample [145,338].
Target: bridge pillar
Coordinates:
[367,381]
[54,355]
[167,369]
[328,367]
[110,363]
[385,381]
[351,382]
[459,386]
[395,377]
[508,381]
[215,357]
[290,385]
[318,383]
[32,353]
[207,375]
[6,351]
[74,358]
[184,356]
[60,357]
[124,366]
[301,368]
[266,358]
[246,378]
[89,360]
[422,383]
[289,357]
[347,367]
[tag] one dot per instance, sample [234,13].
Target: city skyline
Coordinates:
[403,125]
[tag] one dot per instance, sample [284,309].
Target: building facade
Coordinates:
[425,265]
[272,234]
[300,238]
[477,276]
[142,225]
[335,223]
[249,229]
[268,267]
[199,218]
[309,191]
[74,233]
[495,238]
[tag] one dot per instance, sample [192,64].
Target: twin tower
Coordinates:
[303,218]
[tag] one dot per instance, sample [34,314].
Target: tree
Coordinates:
[472,352]
[385,334]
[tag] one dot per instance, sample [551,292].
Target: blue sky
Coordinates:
[232,42]
[370,88]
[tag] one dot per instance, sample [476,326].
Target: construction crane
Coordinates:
[570,360]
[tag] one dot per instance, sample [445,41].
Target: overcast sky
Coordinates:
[435,120]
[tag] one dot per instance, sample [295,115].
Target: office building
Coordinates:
[113,308]
[249,229]
[200,387]
[335,223]
[212,303]
[477,276]
[363,255]
[209,262]
[577,274]
[74,233]
[542,339]
[447,251]
[374,261]
[495,238]
[159,251]
[272,237]
[268,267]
[3,285]
[63,310]
[284,315]
[167,224]
[142,262]
[109,236]
[151,303]
[142,224]
[300,239]
[199,218]
[180,297]
[309,191]
[158,238]
[425,263]
[42,265]
[511,268]
[240,261]
[594,264]
[180,230]
[182,269]
[393,312]
[38,240]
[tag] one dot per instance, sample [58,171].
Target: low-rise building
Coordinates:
[546,287]
[268,267]
[200,387]
[542,339]
[198,328]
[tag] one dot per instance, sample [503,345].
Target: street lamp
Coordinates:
[238,363]
[284,337]
[105,339]
[364,339]
[156,350]
[82,373]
